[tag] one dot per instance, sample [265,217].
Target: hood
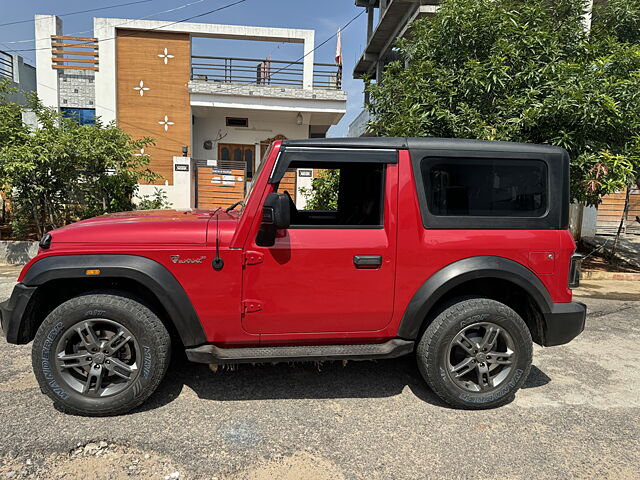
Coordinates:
[139,227]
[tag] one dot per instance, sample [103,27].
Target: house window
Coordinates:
[84,116]
[237,122]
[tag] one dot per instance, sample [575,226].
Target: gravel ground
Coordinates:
[577,417]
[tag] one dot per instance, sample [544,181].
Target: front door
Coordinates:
[334,269]
[239,153]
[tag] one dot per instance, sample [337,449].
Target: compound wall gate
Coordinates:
[219,183]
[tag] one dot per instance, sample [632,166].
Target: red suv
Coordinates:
[454,251]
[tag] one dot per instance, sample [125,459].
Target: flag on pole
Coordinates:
[339,49]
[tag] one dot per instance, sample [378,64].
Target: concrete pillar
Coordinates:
[589,221]
[370,11]
[582,220]
[303,182]
[105,77]
[379,69]
[47,77]
[307,74]
[15,60]
[183,183]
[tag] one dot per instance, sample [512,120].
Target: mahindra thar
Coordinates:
[454,251]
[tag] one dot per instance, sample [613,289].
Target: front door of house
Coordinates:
[239,153]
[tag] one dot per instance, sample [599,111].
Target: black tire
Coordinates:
[452,361]
[128,376]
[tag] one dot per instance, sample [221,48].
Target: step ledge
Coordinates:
[214,354]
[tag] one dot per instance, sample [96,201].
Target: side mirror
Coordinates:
[276,215]
[276,211]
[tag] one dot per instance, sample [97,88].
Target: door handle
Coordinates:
[367,261]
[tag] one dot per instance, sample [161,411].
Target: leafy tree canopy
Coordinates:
[60,171]
[525,72]
[323,193]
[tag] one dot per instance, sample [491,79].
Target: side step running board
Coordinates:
[212,354]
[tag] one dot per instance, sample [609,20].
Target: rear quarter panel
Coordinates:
[423,252]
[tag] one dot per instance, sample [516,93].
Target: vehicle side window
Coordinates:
[483,187]
[340,195]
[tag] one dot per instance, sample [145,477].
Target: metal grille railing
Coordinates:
[6,65]
[255,71]
[221,164]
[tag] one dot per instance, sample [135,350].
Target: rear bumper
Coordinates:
[12,312]
[564,323]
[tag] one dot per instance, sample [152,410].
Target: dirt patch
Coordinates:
[93,461]
[23,381]
[300,466]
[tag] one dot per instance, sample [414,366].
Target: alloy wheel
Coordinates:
[98,357]
[480,357]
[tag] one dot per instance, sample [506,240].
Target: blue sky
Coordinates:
[324,17]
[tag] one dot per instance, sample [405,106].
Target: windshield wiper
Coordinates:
[234,206]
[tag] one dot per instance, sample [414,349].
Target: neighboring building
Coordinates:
[224,111]
[22,75]
[394,19]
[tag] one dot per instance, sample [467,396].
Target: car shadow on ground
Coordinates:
[326,380]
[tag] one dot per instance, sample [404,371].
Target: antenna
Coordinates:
[217,262]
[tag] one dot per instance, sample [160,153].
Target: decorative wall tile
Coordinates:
[165,56]
[166,123]
[141,88]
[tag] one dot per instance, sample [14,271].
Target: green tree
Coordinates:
[525,72]
[60,171]
[156,201]
[323,194]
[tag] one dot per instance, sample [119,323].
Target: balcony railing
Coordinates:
[6,65]
[255,71]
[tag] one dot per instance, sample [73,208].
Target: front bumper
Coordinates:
[564,323]
[12,312]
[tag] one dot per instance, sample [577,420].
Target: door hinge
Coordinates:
[253,258]
[249,306]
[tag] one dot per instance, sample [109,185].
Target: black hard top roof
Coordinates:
[422,143]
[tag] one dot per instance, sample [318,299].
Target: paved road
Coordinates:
[577,417]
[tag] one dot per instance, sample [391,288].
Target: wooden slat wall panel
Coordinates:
[62,55]
[141,58]
[67,37]
[610,211]
[78,45]
[289,183]
[74,67]
[213,193]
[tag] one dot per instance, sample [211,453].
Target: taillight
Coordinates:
[574,270]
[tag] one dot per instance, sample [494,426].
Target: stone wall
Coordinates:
[77,89]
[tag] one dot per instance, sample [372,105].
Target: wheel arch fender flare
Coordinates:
[149,273]
[462,271]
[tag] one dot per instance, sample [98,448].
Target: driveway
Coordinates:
[576,417]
